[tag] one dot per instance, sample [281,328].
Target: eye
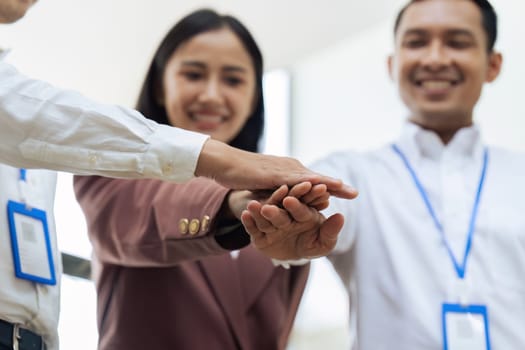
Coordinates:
[459,44]
[414,43]
[233,81]
[192,75]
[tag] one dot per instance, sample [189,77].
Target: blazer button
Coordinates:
[183,226]
[205,223]
[194,226]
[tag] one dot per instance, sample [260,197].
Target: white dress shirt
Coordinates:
[46,127]
[33,305]
[390,254]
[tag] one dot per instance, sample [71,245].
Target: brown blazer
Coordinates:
[161,289]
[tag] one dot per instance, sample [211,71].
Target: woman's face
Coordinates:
[208,85]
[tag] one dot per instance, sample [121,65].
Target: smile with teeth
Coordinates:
[436,84]
[207,118]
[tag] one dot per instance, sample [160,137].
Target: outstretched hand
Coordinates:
[295,230]
[242,170]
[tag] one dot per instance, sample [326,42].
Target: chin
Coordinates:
[441,119]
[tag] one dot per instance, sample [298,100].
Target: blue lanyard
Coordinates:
[23,174]
[460,269]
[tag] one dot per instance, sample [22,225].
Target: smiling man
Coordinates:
[432,253]
[443,55]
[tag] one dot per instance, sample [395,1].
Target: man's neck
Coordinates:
[445,133]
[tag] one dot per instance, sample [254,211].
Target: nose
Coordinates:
[436,56]
[212,91]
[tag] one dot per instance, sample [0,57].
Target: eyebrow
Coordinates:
[201,65]
[196,64]
[453,32]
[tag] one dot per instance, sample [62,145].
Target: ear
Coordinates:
[390,63]
[494,68]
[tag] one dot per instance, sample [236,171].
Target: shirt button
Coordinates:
[92,159]
[167,169]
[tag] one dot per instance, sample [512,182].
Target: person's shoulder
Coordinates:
[355,158]
[506,152]
[507,158]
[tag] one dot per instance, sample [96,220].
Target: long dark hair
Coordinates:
[193,24]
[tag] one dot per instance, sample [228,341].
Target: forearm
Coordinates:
[46,127]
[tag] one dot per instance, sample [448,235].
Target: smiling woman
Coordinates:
[165,247]
[208,75]
[208,85]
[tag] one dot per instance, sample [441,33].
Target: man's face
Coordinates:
[12,10]
[441,62]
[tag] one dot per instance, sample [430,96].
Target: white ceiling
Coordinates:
[74,42]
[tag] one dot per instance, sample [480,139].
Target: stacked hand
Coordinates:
[289,226]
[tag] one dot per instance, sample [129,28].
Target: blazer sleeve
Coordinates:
[136,222]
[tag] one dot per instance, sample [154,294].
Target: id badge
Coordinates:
[465,327]
[30,242]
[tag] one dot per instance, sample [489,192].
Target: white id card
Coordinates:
[30,242]
[465,327]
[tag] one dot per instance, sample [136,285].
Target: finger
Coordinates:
[298,211]
[249,224]
[324,241]
[317,191]
[320,206]
[345,192]
[257,237]
[264,225]
[277,216]
[330,229]
[300,189]
[278,195]
[336,187]
[319,200]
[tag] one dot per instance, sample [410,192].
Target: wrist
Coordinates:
[213,159]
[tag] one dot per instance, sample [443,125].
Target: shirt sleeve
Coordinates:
[46,127]
[342,165]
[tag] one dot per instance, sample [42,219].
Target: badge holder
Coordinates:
[465,327]
[30,241]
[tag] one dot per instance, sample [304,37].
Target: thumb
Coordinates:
[329,231]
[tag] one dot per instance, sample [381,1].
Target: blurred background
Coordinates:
[326,89]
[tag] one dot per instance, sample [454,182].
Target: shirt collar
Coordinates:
[418,143]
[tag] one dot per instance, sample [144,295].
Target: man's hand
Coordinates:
[315,196]
[237,169]
[294,231]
